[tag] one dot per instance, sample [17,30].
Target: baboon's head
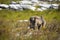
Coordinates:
[32,22]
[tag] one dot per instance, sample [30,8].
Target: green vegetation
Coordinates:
[9,25]
[17,15]
[7,1]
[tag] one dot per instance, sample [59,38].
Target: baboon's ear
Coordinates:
[42,16]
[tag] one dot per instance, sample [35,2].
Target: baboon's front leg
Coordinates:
[39,26]
[34,28]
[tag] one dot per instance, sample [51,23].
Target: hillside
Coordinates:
[12,29]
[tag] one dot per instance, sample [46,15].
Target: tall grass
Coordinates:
[11,29]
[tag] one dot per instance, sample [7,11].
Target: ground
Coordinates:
[12,29]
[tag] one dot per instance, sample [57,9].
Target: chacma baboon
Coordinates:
[37,21]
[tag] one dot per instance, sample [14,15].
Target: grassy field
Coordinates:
[7,1]
[26,14]
[11,29]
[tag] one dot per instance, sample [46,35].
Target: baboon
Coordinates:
[37,21]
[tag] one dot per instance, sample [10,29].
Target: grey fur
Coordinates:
[37,21]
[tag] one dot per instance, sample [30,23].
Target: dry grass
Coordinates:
[11,29]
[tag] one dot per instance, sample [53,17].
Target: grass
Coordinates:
[7,1]
[9,27]
[16,15]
